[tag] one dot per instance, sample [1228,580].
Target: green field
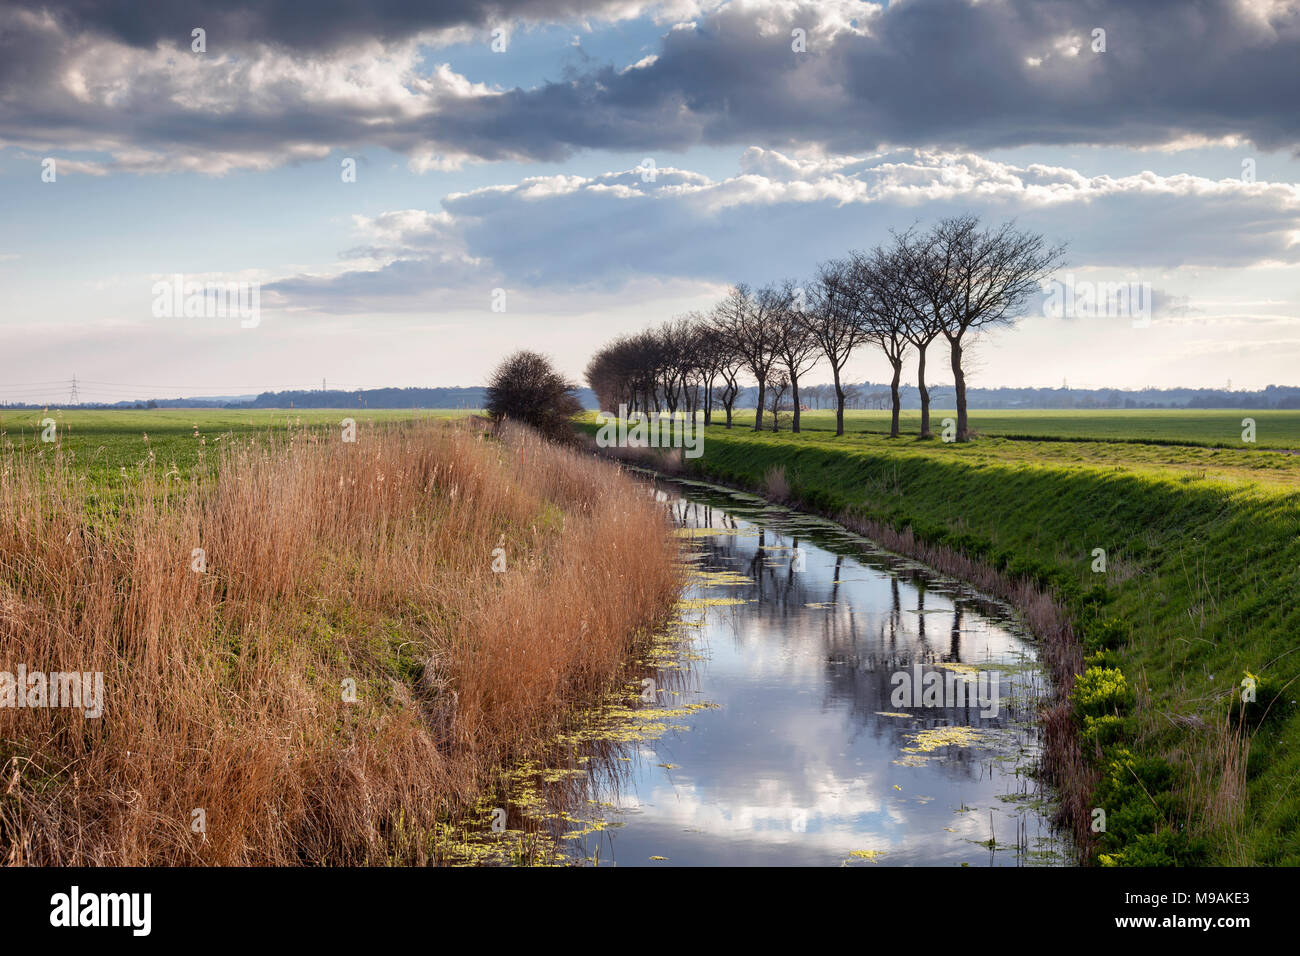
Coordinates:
[1203,549]
[103,443]
[1208,427]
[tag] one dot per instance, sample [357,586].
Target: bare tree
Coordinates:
[797,349]
[925,273]
[831,321]
[750,323]
[989,276]
[678,362]
[776,388]
[721,331]
[885,311]
[711,359]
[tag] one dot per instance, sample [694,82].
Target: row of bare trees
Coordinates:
[954,281]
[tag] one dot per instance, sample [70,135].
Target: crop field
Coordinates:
[1219,428]
[104,443]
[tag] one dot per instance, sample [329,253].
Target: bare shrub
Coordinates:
[775,485]
[526,388]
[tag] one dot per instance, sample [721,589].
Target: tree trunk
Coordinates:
[758,411]
[839,401]
[794,397]
[925,393]
[959,383]
[708,403]
[893,388]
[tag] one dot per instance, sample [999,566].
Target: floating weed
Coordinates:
[720,579]
[870,856]
[711,532]
[695,604]
[932,738]
[912,760]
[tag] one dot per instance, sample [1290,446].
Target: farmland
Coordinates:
[102,443]
[1175,426]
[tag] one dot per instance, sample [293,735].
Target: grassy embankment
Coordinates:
[327,563]
[1202,572]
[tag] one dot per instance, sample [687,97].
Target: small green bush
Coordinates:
[1166,848]
[1267,705]
[1105,635]
[1107,729]
[1101,690]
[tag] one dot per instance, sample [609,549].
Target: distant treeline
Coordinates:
[877,395]
[860,395]
[467,397]
[471,397]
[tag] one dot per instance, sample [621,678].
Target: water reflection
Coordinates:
[791,740]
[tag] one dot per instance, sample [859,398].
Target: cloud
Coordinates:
[311,27]
[282,82]
[946,73]
[563,233]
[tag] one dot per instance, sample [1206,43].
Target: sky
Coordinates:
[413,190]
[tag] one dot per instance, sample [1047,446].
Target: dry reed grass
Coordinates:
[775,484]
[326,561]
[665,461]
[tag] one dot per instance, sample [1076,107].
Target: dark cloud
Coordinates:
[928,72]
[941,73]
[312,25]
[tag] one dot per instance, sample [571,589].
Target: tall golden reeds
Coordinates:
[227,735]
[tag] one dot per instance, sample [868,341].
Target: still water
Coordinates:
[789,722]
